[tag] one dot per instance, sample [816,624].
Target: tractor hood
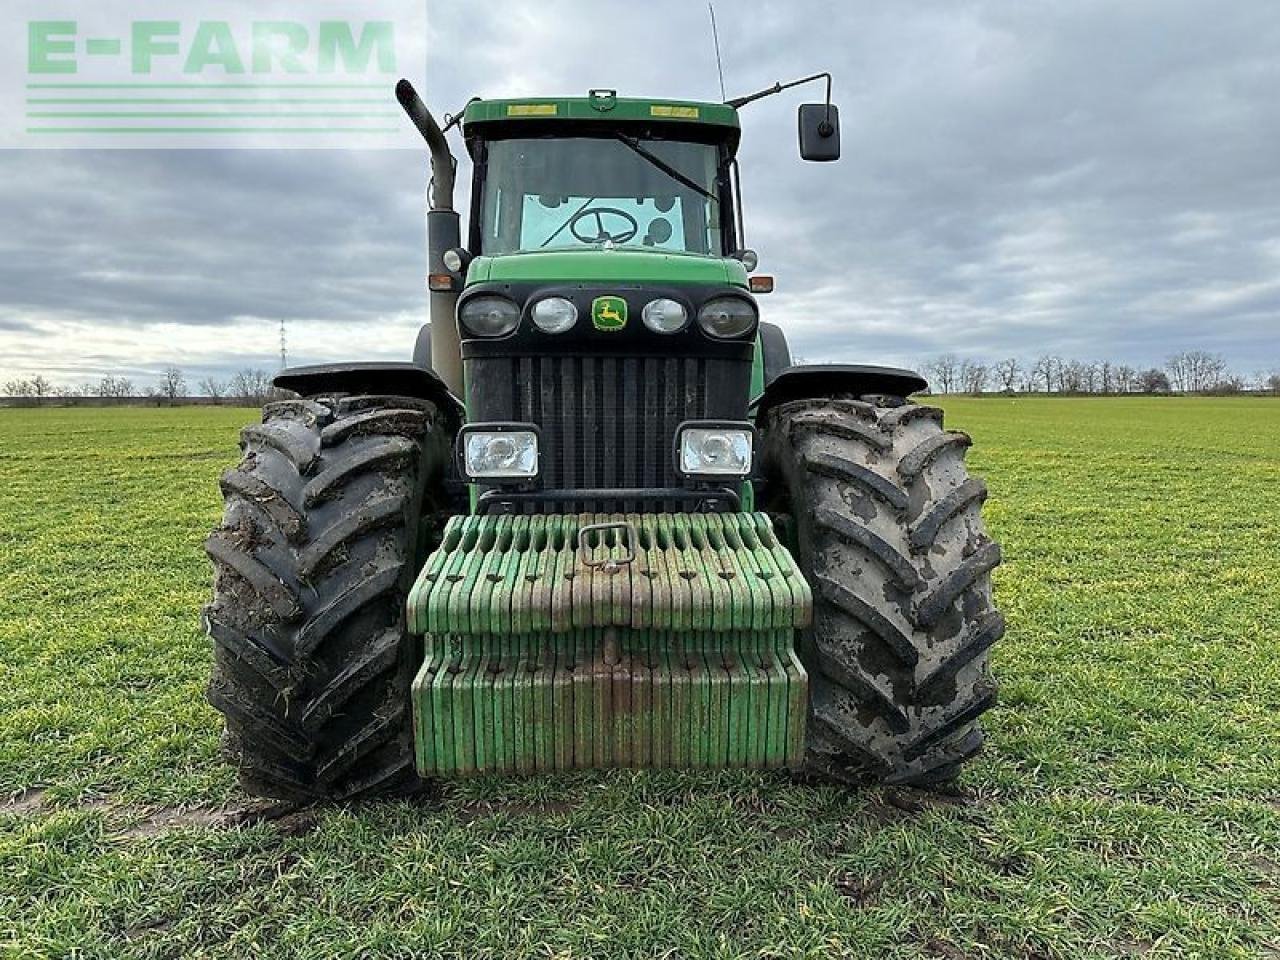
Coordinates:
[620,265]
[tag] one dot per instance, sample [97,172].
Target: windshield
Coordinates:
[551,194]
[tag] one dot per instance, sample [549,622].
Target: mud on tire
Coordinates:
[312,563]
[888,531]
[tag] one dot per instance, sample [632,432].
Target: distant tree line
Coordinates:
[248,387]
[1190,372]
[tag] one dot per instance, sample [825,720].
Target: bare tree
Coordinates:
[1007,372]
[1090,377]
[973,376]
[1125,377]
[172,384]
[1106,377]
[1210,370]
[19,388]
[251,386]
[41,387]
[944,370]
[1047,370]
[1195,371]
[1273,382]
[1071,377]
[114,387]
[214,388]
[1153,381]
[1179,375]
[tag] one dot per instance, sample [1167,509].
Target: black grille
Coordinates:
[609,421]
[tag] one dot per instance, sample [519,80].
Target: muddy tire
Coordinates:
[886,527]
[312,564]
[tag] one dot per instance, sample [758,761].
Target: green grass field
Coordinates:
[1127,805]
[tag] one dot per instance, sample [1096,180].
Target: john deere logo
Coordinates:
[609,313]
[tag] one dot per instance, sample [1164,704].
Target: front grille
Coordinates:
[609,421]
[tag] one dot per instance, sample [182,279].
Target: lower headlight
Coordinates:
[489,316]
[715,451]
[727,316]
[500,454]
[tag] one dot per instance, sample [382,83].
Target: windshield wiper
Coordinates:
[572,217]
[665,167]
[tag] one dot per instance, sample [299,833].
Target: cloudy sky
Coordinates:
[1089,178]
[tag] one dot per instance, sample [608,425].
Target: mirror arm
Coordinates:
[738,102]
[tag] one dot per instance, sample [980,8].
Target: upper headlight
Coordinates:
[489,316]
[554,315]
[727,316]
[663,315]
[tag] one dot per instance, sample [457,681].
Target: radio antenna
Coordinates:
[715,37]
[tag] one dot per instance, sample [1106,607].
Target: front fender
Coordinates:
[829,380]
[388,379]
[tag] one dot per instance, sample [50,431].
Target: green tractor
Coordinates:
[600,520]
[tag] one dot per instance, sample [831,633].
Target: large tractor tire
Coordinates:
[324,521]
[887,528]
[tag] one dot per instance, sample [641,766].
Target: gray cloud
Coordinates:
[1091,179]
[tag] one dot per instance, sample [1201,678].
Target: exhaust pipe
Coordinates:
[444,231]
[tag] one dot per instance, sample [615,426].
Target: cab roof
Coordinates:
[498,118]
[604,105]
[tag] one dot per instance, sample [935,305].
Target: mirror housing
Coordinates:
[819,131]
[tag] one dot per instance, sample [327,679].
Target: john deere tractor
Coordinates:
[600,520]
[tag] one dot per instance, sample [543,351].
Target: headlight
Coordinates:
[715,451]
[452,260]
[663,315]
[489,316]
[554,315]
[500,454]
[727,316]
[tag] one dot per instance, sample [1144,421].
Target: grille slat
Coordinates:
[609,422]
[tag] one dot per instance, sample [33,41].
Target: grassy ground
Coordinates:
[1128,803]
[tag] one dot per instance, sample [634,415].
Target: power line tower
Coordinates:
[284,353]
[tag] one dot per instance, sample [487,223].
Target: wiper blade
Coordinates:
[572,217]
[665,167]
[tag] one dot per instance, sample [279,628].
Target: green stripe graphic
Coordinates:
[250,101]
[171,114]
[212,129]
[139,85]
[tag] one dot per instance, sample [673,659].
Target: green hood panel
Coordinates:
[591,266]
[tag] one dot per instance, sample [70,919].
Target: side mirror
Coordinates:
[819,131]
